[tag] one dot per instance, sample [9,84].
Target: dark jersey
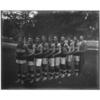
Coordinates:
[30,52]
[45,47]
[21,52]
[57,47]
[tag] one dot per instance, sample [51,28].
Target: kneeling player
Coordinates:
[21,61]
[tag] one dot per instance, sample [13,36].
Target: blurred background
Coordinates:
[32,23]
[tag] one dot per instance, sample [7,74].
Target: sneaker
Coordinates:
[37,79]
[31,81]
[76,74]
[69,74]
[62,76]
[44,78]
[51,77]
[57,76]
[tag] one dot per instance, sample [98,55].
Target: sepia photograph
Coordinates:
[49,49]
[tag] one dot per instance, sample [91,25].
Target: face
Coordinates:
[81,38]
[43,38]
[50,39]
[62,38]
[30,40]
[55,39]
[20,40]
[37,39]
[75,38]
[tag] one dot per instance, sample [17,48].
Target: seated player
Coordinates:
[30,60]
[38,59]
[57,56]
[21,61]
[44,60]
[50,57]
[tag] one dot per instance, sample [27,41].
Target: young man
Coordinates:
[21,61]
[30,60]
[69,56]
[51,58]
[76,55]
[38,58]
[57,56]
[44,59]
[82,50]
[64,51]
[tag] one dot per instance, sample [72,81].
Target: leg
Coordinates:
[63,66]
[57,65]
[51,68]
[38,69]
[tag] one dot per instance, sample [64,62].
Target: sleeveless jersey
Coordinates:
[20,52]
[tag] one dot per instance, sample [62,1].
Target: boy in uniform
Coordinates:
[21,61]
[57,56]
[44,59]
[50,57]
[30,60]
[38,58]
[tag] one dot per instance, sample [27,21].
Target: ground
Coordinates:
[88,78]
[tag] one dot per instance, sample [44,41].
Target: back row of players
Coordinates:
[48,58]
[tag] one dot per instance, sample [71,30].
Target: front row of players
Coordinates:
[50,59]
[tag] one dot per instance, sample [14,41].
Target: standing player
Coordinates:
[44,60]
[57,56]
[30,60]
[64,51]
[51,58]
[38,58]
[21,61]
[69,56]
[82,49]
[76,55]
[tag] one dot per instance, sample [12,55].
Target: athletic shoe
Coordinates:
[44,78]
[31,81]
[69,74]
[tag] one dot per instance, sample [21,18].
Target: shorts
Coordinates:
[38,62]
[20,61]
[63,60]
[57,61]
[52,62]
[44,61]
